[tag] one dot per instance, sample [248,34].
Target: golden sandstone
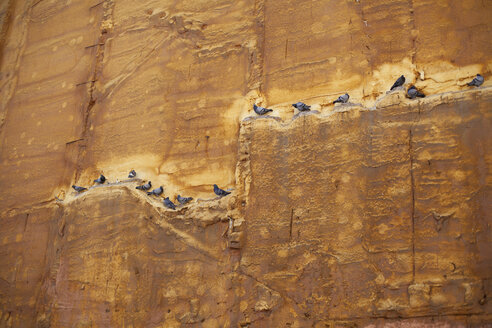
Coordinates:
[367,214]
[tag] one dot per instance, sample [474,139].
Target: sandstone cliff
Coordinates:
[372,213]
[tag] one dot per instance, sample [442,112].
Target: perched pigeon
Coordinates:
[342,99]
[132,174]
[477,81]
[412,92]
[156,191]
[302,107]
[184,200]
[399,82]
[78,189]
[101,179]
[169,204]
[146,186]
[261,110]
[220,192]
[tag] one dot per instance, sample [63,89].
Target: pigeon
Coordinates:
[412,92]
[261,110]
[132,174]
[220,192]
[169,204]
[342,99]
[78,189]
[146,186]
[156,191]
[477,81]
[399,82]
[302,107]
[184,200]
[101,179]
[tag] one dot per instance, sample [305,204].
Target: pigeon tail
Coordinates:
[420,95]
[337,101]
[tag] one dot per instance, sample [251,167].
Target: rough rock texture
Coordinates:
[374,213]
[377,213]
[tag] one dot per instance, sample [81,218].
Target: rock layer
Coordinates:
[367,214]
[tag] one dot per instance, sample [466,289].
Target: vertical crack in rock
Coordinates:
[413,32]
[7,88]
[290,228]
[367,38]
[256,76]
[243,166]
[25,222]
[5,26]
[106,24]
[412,212]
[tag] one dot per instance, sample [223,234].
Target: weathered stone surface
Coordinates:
[350,232]
[374,213]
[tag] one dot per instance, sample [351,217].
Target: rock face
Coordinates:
[372,213]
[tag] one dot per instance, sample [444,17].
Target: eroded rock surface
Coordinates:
[372,213]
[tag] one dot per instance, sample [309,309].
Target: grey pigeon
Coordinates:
[412,92]
[169,204]
[101,179]
[399,82]
[220,192]
[156,191]
[261,110]
[132,174]
[342,99]
[146,186]
[477,81]
[78,189]
[184,200]
[302,107]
